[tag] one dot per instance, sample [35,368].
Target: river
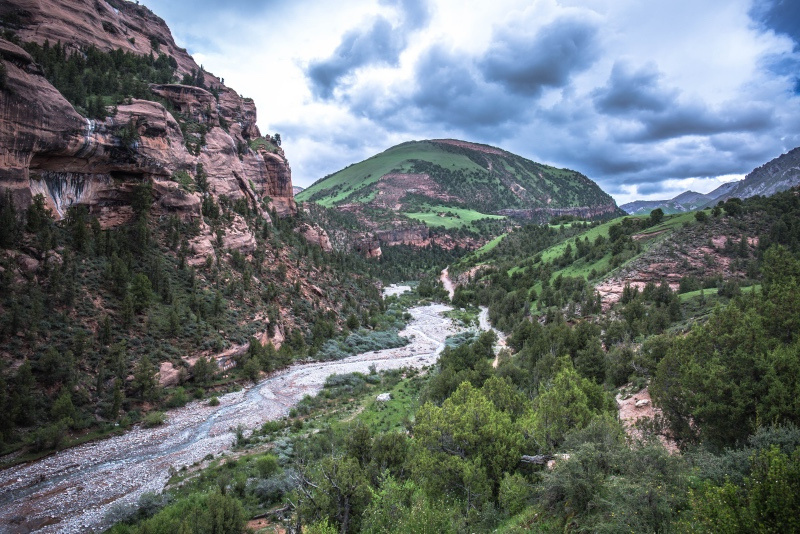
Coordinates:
[72,491]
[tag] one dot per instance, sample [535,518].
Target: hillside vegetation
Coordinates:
[480,177]
[463,448]
[452,184]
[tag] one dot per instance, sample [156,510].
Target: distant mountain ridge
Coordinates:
[777,175]
[686,201]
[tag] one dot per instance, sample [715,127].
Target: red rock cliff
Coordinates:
[47,147]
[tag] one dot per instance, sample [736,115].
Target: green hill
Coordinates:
[452,183]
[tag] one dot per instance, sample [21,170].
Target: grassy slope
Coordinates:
[370,170]
[434,215]
[650,237]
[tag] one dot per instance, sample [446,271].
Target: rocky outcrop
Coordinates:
[418,236]
[107,25]
[541,215]
[315,235]
[779,174]
[48,148]
[195,102]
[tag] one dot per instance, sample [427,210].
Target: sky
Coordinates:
[648,98]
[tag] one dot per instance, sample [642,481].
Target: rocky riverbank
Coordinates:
[73,490]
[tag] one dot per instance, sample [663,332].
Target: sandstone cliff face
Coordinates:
[315,235]
[47,147]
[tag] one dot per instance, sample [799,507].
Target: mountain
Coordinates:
[780,174]
[297,189]
[722,190]
[777,175]
[686,201]
[437,188]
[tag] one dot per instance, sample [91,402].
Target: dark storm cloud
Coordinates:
[651,188]
[449,92]
[633,91]
[379,43]
[496,91]
[697,119]
[526,64]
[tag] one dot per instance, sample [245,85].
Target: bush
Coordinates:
[154,419]
[359,342]
[213,401]
[273,489]
[267,465]
[515,492]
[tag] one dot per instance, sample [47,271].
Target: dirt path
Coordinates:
[448,284]
[484,324]
[635,407]
[72,491]
[483,317]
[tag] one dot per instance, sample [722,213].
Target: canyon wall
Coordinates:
[48,148]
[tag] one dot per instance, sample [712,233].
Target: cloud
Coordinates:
[631,94]
[527,63]
[698,120]
[629,91]
[380,43]
[780,16]
[449,91]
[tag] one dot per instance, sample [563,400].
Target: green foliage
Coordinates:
[656,216]
[463,448]
[607,485]
[769,500]
[720,381]
[463,363]
[569,402]
[210,513]
[337,492]
[185,180]
[92,79]
[360,341]
[154,419]
[403,507]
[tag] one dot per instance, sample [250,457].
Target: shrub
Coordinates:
[267,465]
[154,419]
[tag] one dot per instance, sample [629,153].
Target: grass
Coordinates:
[449,217]
[393,414]
[466,317]
[602,265]
[371,170]
[713,291]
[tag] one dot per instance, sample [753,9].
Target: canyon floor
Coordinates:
[73,490]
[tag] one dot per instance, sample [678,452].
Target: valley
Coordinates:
[73,490]
[442,335]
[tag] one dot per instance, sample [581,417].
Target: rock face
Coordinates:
[777,175]
[315,235]
[48,148]
[542,215]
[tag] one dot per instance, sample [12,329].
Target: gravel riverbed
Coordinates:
[73,490]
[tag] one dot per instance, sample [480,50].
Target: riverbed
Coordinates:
[73,490]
